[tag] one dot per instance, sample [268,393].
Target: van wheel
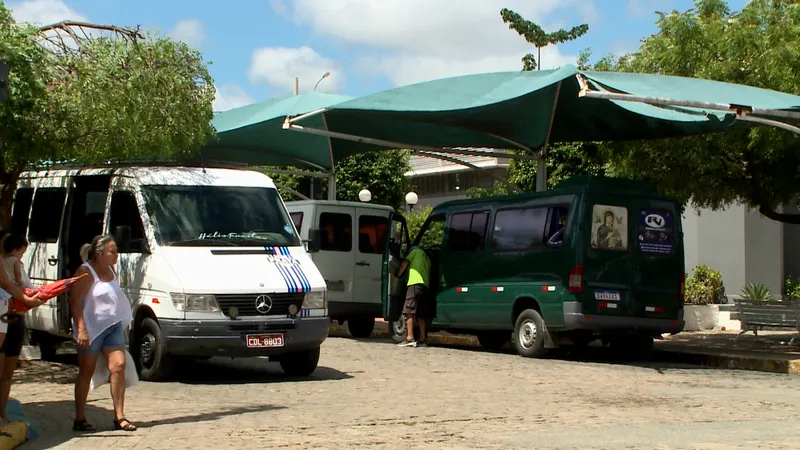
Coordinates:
[47,345]
[300,364]
[527,336]
[493,340]
[361,327]
[398,330]
[152,359]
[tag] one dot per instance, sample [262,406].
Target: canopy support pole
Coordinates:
[541,166]
[332,175]
[464,163]
[739,110]
[287,125]
[774,123]
[292,191]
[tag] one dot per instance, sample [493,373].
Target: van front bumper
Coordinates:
[228,338]
[574,319]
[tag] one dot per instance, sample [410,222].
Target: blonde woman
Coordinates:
[100,314]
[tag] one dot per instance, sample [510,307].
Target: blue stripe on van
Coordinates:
[289,285]
[299,275]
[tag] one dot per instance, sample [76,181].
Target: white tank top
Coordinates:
[104,305]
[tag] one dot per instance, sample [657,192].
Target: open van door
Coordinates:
[393,288]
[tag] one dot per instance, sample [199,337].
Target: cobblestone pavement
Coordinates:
[374,395]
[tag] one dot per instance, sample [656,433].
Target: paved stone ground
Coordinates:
[374,395]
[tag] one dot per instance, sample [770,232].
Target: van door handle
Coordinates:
[362,263]
[52,261]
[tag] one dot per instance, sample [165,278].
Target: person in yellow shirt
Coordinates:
[417,304]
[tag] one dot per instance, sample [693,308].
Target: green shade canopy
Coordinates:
[493,109]
[253,135]
[504,110]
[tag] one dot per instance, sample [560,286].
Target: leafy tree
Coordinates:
[758,46]
[535,35]
[383,173]
[109,94]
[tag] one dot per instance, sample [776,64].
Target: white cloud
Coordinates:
[43,12]
[421,40]
[229,96]
[190,31]
[278,66]
[643,9]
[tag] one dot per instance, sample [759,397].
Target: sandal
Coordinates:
[129,426]
[82,425]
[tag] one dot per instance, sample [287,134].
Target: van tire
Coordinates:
[528,336]
[47,345]
[300,364]
[153,362]
[493,340]
[361,327]
[398,331]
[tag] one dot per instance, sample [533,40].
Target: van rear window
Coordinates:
[609,227]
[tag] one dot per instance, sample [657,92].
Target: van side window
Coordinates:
[337,232]
[467,231]
[432,234]
[372,231]
[124,211]
[519,229]
[297,219]
[556,226]
[48,207]
[22,210]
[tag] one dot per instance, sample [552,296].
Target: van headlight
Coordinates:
[314,300]
[195,303]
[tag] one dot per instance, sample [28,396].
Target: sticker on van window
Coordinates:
[656,233]
[609,228]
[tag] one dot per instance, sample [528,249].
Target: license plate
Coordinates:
[264,340]
[607,295]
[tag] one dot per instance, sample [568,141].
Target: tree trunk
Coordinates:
[6,202]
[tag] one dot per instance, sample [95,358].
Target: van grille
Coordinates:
[246,303]
[261,327]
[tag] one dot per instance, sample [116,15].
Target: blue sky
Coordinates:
[257,47]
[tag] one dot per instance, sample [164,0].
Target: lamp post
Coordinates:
[411,199]
[365,195]
[325,75]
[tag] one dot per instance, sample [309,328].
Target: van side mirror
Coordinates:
[314,242]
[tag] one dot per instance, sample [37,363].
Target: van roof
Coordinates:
[574,185]
[167,175]
[340,203]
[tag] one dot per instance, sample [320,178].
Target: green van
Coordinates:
[593,258]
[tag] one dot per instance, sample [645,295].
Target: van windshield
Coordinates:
[218,216]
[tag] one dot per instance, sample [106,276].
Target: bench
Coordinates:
[755,315]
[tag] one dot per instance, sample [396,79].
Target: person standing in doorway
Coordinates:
[100,313]
[416,307]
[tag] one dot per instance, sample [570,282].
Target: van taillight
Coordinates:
[575,283]
[683,287]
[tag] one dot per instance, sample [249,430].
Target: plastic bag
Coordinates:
[102,375]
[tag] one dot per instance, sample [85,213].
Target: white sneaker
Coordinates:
[407,343]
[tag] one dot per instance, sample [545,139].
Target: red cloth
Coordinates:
[45,292]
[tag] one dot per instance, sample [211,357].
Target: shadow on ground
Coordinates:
[63,370]
[103,418]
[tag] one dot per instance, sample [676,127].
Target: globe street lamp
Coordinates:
[365,195]
[411,199]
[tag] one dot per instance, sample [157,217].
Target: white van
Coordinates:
[208,257]
[351,250]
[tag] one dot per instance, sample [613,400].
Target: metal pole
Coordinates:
[659,101]
[287,125]
[296,86]
[332,176]
[541,166]
[292,191]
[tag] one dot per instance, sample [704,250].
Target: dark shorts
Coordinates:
[12,345]
[417,302]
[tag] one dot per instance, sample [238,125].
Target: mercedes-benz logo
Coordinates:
[263,304]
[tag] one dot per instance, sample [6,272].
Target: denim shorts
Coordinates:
[111,337]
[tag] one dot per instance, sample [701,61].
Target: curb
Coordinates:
[687,356]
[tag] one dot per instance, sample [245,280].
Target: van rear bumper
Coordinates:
[574,319]
[229,337]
